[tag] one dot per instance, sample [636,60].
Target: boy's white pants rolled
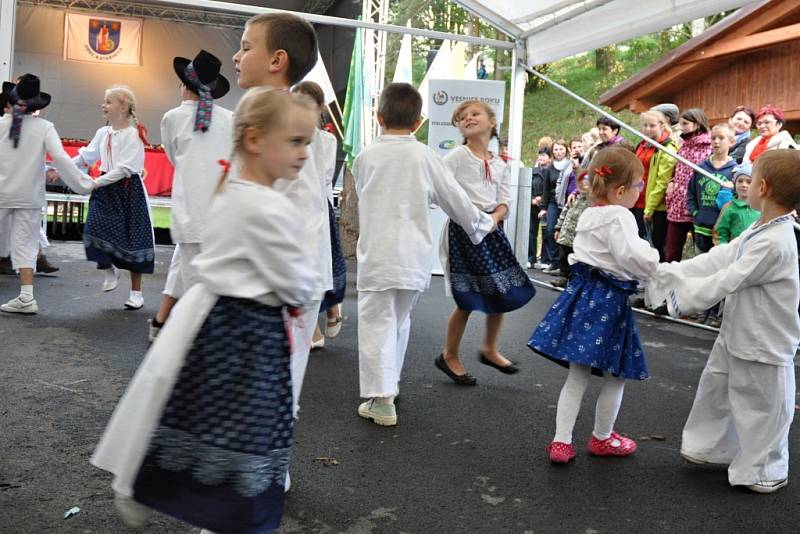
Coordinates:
[302,333]
[22,225]
[384,324]
[182,275]
[741,417]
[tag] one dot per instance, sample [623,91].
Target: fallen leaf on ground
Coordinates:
[326,461]
[72,511]
[654,437]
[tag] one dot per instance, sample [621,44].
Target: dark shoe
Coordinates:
[661,310]
[44,266]
[559,282]
[5,266]
[508,369]
[462,380]
[637,302]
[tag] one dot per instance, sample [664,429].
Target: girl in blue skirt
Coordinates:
[484,277]
[204,430]
[118,233]
[590,329]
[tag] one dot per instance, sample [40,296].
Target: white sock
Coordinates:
[136,293]
[26,293]
[608,402]
[384,400]
[569,401]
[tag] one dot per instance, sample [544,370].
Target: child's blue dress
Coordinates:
[592,324]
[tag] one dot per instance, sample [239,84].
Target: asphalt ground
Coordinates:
[460,459]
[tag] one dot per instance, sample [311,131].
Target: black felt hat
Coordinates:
[26,91]
[207,67]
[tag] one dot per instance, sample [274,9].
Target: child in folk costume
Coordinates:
[745,401]
[325,155]
[484,277]
[397,179]
[591,329]
[24,141]
[196,135]
[204,430]
[278,50]
[118,233]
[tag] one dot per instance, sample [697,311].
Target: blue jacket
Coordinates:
[701,197]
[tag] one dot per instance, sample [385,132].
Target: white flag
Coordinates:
[403,70]
[319,75]
[440,68]
[101,38]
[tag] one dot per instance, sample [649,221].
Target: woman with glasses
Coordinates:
[771,135]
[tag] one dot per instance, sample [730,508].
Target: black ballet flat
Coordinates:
[508,369]
[462,380]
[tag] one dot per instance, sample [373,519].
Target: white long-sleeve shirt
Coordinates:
[256,249]
[607,237]
[22,182]
[308,194]
[123,156]
[470,172]
[397,180]
[325,154]
[757,275]
[194,154]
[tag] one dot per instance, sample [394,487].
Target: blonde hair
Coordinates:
[124,95]
[727,128]
[264,109]
[456,118]
[612,166]
[660,117]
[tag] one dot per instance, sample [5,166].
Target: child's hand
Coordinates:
[497,218]
[556,234]
[52,175]
[648,217]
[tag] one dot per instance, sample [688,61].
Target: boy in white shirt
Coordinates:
[24,141]
[745,401]
[397,180]
[196,135]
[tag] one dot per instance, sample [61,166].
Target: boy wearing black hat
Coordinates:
[24,141]
[196,135]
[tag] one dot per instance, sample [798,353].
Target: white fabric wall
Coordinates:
[77,88]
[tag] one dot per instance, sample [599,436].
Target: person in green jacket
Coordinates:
[659,174]
[737,215]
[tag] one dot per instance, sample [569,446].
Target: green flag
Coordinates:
[352,115]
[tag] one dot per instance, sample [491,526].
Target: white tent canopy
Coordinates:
[554,29]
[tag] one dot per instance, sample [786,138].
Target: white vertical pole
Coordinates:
[519,219]
[8,13]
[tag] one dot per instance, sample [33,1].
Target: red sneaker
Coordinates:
[560,452]
[614,445]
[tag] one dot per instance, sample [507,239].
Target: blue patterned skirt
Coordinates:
[336,295]
[486,277]
[220,452]
[118,230]
[592,324]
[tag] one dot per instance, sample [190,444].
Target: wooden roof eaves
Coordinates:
[741,23]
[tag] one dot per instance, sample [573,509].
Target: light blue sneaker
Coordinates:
[381,414]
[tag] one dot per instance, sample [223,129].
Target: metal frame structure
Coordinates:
[376,11]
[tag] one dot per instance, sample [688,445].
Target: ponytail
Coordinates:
[226,168]
[140,128]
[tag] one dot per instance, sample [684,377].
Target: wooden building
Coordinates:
[750,58]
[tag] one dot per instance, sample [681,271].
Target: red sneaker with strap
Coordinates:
[560,452]
[614,445]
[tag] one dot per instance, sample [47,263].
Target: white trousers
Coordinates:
[741,417]
[302,332]
[384,323]
[182,275]
[21,241]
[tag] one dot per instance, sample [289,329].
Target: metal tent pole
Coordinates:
[625,126]
[8,13]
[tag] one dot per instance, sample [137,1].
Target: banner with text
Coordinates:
[444,96]
[102,39]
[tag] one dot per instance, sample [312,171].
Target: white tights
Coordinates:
[569,403]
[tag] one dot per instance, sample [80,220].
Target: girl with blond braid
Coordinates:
[590,329]
[119,233]
[204,431]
